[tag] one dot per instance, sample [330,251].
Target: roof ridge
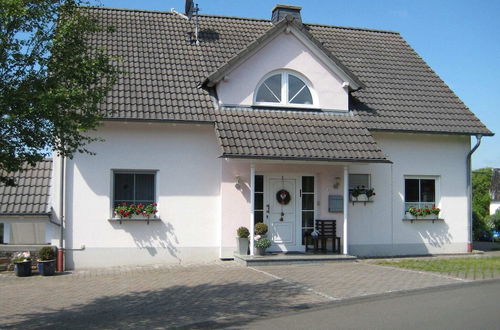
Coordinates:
[245,18]
[353,28]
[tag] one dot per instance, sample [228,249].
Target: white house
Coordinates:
[211,129]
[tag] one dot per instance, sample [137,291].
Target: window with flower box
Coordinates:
[134,187]
[420,192]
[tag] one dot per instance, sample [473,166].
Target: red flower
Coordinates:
[154,204]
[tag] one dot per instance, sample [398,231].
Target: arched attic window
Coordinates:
[284,88]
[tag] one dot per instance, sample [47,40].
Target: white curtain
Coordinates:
[27,233]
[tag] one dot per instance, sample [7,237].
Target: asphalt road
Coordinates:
[468,306]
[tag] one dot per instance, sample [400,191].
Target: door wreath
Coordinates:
[283,197]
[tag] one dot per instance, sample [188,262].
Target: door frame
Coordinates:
[298,247]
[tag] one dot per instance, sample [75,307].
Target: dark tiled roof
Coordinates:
[165,67]
[31,195]
[264,133]
[495,185]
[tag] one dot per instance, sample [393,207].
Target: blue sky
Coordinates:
[459,39]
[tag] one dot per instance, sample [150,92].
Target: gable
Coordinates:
[284,52]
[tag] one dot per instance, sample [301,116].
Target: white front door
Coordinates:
[282,204]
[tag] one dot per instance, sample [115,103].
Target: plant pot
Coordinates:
[242,248]
[362,198]
[429,217]
[409,216]
[260,251]
[47,268]
[22,269]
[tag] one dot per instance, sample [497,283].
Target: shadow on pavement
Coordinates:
[200,306]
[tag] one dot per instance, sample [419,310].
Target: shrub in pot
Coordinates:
[46,261]
[261,244]
[22,264]
[260,228]
[242,240]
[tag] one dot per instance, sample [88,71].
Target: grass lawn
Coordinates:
[470,268]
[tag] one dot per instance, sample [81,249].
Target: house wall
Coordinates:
[378,228]
[494,206]
[284,52]
[188,187]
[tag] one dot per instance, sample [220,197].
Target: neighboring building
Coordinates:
[25,214]
[495,191]
[211,131]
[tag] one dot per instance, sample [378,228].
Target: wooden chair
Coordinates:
[326,229]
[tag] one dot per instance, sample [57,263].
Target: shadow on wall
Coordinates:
[199,306]
[438,236]
[157,234]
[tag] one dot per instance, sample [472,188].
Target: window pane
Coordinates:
[270,90]
[307,219]
[427,191]
[258,216]
[308,184]
[259,183]
[359,180]
[298,92]
[145,188]
[307,201]
[259,201]
[411,190]
[124,187]
[1,232]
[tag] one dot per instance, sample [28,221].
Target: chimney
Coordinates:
[281,11]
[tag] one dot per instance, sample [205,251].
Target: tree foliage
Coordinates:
[481,199]
[51,81]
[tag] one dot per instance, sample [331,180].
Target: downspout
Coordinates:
[469,192]
[60,250]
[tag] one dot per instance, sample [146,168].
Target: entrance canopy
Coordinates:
[261,133]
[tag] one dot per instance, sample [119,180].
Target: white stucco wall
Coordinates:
[378,228]
[494,206]
[188,186]
[284,52]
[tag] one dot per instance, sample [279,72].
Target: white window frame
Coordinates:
[368,186]
[437,190]
[284,91]
[132,171]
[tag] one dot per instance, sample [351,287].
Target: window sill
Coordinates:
[368,201]
[147,220]
[423,219]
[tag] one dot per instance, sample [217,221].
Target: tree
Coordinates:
[51,80]
[481,199]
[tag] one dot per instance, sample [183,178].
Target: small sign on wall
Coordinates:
[335,203]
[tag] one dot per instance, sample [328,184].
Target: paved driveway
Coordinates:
[215,294]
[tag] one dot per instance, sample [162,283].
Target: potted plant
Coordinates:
[356,192]
[261,229]
[370,192]
[135,210]
[22,264]
[424,213]
[242,240]
[261,244]
[46,261]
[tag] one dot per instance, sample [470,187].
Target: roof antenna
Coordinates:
[190,9]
